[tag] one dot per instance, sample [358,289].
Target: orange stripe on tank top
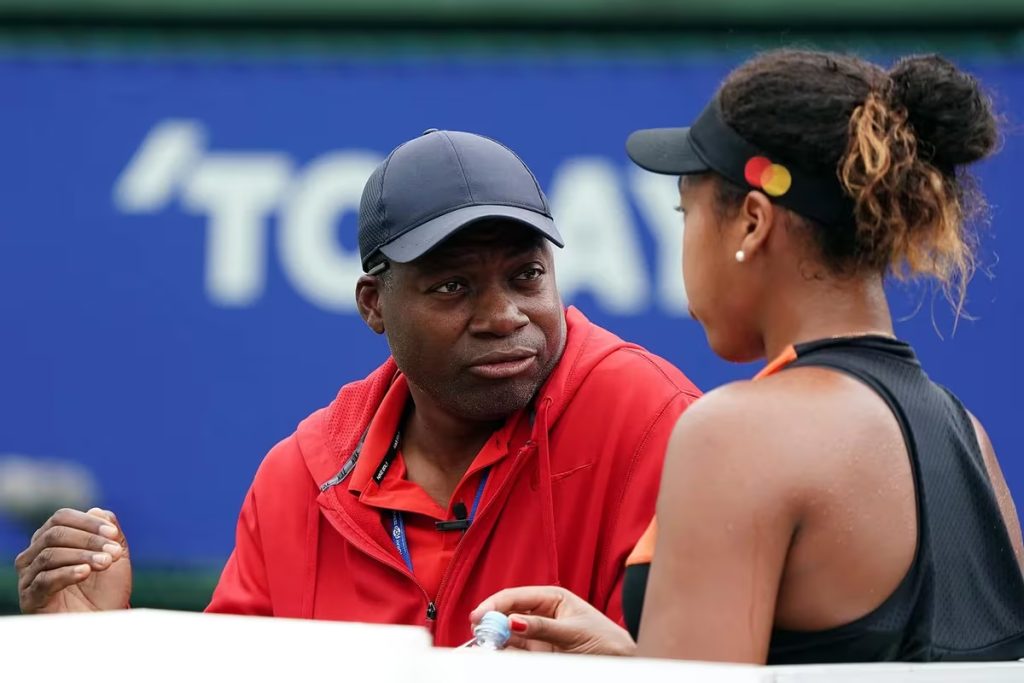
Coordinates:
[780,362]
[643,551]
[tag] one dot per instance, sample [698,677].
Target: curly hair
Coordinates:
[896,140]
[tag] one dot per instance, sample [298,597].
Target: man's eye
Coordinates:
[451,287]
[530,274]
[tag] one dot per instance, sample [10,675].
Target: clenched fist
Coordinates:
[77,562]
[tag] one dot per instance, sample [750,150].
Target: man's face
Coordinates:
[476,324]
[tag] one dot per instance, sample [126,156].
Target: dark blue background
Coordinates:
[112,355]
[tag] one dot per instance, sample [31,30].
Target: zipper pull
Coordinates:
[431,611]
[525,448]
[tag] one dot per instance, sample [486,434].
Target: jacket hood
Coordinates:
[328,437]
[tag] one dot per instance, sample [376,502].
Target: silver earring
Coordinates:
[740,256]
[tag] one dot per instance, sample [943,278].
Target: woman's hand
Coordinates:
[551,619]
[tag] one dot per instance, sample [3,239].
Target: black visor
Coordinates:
[711,145]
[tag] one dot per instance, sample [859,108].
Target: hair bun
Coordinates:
[951,115]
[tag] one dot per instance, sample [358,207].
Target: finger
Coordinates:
[537,599]
[76,519]
[555,632]
[519,643]
[47,584]
[55,558]
[111,518]
[66,537]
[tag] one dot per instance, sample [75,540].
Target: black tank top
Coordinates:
[963,596]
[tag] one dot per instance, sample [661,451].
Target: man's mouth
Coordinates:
[503,364]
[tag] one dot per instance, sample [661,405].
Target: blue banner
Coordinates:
[177,258]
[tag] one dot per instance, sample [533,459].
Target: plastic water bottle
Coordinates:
[492,633]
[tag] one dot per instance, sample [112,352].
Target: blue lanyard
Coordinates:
[398,523]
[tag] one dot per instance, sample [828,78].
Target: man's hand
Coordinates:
[77,562]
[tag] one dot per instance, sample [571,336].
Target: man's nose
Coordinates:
[497,313]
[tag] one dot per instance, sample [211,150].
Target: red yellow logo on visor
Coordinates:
[774,179]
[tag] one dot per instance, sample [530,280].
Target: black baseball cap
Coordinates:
[712,145]
[431,187]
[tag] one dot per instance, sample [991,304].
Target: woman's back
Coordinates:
[900,547]
[903,552]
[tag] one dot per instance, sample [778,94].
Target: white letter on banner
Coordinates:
[317,264]
[237,191]
[655,197]
[167,155]
[602,255]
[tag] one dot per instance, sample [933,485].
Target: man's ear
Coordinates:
[368,295]
[756,216]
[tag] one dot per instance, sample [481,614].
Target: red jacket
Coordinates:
[566,509]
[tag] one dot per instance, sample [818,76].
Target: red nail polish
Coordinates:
[517,625]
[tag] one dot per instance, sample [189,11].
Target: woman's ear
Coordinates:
[368,301]
[755,218]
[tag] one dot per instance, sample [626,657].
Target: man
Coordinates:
[508,441]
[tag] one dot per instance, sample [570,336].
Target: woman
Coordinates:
[841,507]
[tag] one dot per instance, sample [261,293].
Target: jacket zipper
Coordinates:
[513,471]
[404,571]
[376,553]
